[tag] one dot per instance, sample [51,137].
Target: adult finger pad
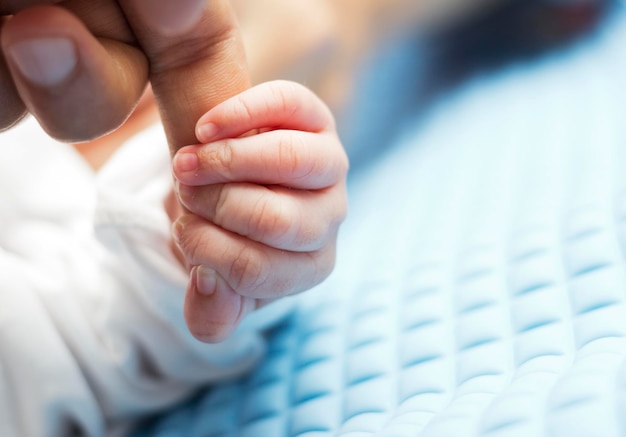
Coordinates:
[170,18]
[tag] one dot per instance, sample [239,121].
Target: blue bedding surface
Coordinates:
[480,288]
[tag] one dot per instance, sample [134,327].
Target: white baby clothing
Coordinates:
[92,334]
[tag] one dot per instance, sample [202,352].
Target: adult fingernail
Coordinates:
[172,17]
[44,61]
[206,280]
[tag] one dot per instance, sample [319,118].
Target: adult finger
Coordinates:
[277,105]
[170,18]
[293,158]
[12,108]
[294,220]
[250,268]
[190,72]
[77,86]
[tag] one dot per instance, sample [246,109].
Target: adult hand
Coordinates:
[79,66]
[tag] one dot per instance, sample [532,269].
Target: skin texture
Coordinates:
[239,257]
[267,192]
[118,49]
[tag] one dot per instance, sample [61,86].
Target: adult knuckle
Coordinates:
[181,52]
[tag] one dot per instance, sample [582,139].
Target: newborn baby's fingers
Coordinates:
[169,17]
[276,105]
[250,268]
[295,220]
[281,157]
[213,310]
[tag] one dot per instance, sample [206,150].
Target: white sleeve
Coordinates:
[92,333]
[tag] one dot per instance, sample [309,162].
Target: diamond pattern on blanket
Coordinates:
[529,347]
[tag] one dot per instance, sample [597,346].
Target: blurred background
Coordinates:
[378,62]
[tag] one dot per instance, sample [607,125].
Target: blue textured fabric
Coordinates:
[480,286]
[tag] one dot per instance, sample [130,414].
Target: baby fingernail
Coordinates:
[206,280]
[205,133]
[186,161]
[44,61]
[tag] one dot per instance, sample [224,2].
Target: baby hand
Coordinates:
[266,194]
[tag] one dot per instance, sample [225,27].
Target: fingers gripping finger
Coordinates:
[296,159]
